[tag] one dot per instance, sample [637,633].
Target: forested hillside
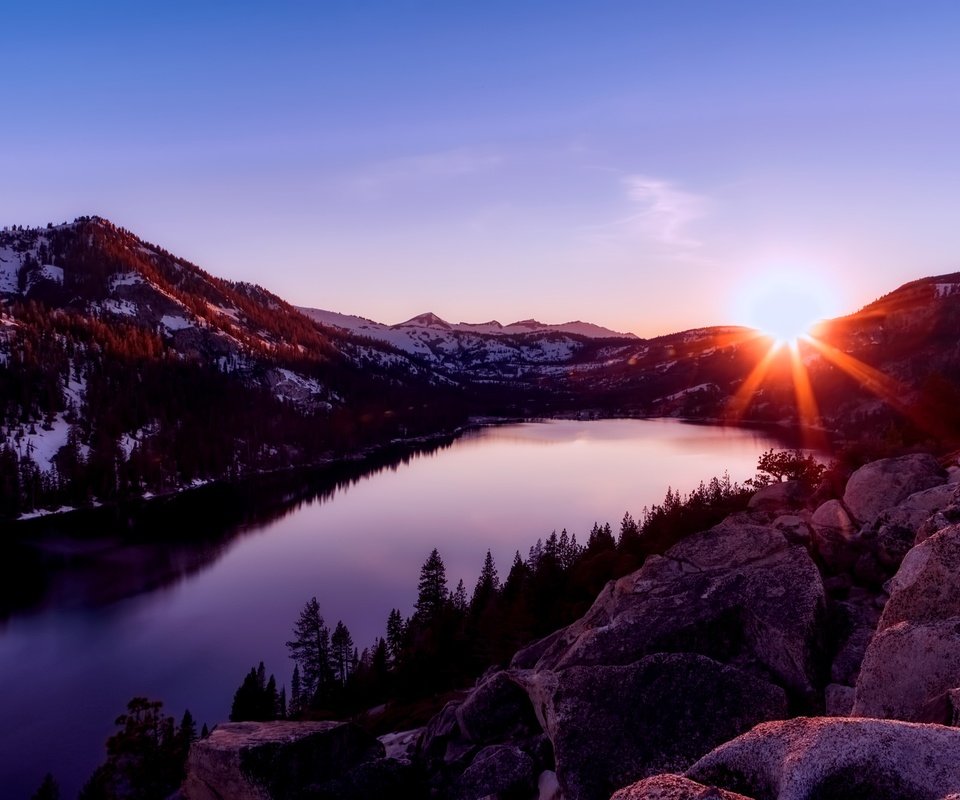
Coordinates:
[125,370]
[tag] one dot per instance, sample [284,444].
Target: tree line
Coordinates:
[453,634]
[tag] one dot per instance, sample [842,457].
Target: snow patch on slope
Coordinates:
[947,289]
[43,445]
[175,323]
[9,269]
[126,279]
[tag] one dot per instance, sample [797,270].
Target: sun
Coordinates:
[784,307]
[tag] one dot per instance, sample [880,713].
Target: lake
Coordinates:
[179,600]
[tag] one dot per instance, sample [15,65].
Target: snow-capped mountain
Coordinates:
[125,369]
[432,321]
[478,348]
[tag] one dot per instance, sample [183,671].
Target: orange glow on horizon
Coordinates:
[887,389]
[742,399]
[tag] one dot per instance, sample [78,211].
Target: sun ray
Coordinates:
[874,381]
[741,400]
[891,391]
[807,409]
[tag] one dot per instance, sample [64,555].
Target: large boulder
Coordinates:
[440,733]
[495,710]
[611,725]
[737,593]
[498,771]
[941,518]
[779,496]
[882,484]
[826,758]
[926,588]
[673,787]
[274,760]
[913,661]
[794,527]
[834,535]
[891,534]
[908,672]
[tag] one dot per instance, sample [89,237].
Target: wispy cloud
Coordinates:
[661,212]
[387,176]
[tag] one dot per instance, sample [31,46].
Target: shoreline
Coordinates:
[398,448]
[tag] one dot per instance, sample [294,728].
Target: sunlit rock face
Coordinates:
[882,484]
[737,593]
[913,662]
[853,759]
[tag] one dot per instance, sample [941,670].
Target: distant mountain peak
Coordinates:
[426,320]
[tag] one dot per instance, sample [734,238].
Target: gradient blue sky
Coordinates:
[641,165]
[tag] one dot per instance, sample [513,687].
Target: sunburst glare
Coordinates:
[784,305]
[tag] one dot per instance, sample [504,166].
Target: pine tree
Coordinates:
[270,701]
[296,692]
[310,649]
[396,632]
[49,789]
[459,599]
[516,578]
[629,540]
[432,587]
[341,652]
[143,755]
[488,584]
[379,663]
[187,732]
[245,699]
[256,699]
[601,539]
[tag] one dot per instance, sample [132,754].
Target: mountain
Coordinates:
[494,328]
[466,346]
[125,370]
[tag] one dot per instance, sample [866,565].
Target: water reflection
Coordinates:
[177,599]
[95,557]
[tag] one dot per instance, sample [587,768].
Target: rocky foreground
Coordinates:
[797,651]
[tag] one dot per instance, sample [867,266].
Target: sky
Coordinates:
[648,166]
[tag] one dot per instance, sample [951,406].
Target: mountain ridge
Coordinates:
[126,370]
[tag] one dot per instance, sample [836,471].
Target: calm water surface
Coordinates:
[184,622]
